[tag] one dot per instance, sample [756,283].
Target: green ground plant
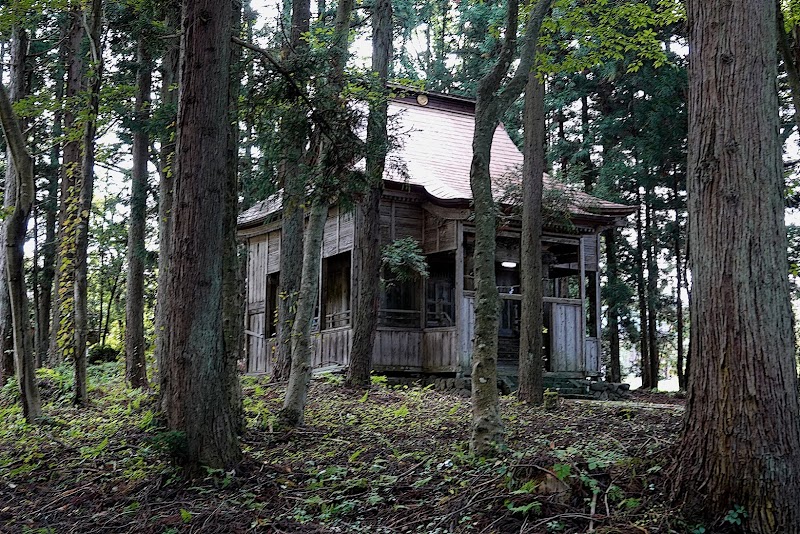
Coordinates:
[392,460]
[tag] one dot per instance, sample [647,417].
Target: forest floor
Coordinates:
[392,460]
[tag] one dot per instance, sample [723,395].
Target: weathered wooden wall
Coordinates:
[566,339]
[401,216]
[439,350]
[397,350]
[439,235]
[256,345]
[338,236]
[590,252]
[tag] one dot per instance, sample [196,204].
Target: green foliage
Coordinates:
[404,259]
[102,353]
[736,515]
[378,380]
[606,31]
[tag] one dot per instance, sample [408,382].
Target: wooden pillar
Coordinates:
[460,314]
[582,265]
[597,299]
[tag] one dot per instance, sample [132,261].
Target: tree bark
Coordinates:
[85,188]
[367,252]
[135,367]
[490,104]
[741,439]
[197,389]
[652,290]
[50,206]
[332,160]
[302,349]
[233,300]
[166,195]
[531,388]
[612,270]
[679,286]
[16,90]
[62,337]
[295,128]
[641,289]
[15,229]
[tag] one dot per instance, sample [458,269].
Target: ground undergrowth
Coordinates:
[391,460]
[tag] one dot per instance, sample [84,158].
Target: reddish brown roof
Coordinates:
[435,153]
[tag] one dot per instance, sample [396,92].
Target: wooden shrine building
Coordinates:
[426,326]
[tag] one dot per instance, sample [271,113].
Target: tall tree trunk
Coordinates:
[48,248]
[741,439]
[644,330]
[135,366]
[367,252]
[295,128]
[232,280]
[331,159]
[85,187]
[679,287]
[166,194]
[62,337]
[50,205]
[197,395]
[15,229]
[302,349]
[652,290]
[490,104]
[19,51]
[614,373]
[531,388]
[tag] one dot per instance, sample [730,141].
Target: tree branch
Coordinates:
[527,56]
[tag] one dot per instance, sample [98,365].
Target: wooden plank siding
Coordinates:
[590,252]
[256,272]
[439,235]
[592,355]
[257,360]
[566,326]
[332,347]
[400,217]
[274,252]
[339,231]
[397,350]
[439,350]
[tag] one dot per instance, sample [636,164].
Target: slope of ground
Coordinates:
[392,460]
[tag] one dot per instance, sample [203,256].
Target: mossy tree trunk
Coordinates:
[493,98]
[641,290]
[84,190]
[18,53]
[331,156]
[295,127]
[302,349]
[15,229]
[614,373]
[62,334]
[233,301]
